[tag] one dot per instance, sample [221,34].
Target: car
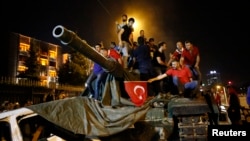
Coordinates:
[24,124]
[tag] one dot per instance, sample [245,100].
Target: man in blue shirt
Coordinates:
[97,76]
[141,55]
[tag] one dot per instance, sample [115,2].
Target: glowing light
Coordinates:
[136,25]
[213,72]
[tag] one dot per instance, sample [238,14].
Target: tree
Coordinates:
[32,62]
[75,71]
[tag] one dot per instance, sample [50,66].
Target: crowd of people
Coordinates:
[177,73]
[8,105]
[51,95]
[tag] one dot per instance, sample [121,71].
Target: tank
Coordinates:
[152,121]
[191,118]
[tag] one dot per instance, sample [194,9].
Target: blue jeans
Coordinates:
[188,85]
[101,77]
[94,83]
[196,72]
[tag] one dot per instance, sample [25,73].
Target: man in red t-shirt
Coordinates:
[112,53]
[176,55]
[182,77]
[190,57]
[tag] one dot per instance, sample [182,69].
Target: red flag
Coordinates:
[137,91]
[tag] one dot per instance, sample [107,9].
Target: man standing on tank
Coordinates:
[190,57]
[125,38]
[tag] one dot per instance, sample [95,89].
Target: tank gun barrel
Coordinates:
[71,39]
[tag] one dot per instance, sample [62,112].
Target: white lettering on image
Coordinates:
[216,132]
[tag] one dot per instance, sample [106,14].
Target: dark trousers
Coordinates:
[94,83]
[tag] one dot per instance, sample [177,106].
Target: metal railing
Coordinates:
[33,83]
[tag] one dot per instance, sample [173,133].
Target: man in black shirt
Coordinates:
[125,38]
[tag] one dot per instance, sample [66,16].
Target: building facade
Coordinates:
[213,77]
[18,49]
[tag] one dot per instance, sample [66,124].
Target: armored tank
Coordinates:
[117,117]
[191,115]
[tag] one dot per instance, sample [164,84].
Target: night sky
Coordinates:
[218,28]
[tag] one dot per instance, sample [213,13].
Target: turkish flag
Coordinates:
[137,91]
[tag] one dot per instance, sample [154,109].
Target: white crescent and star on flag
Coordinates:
[139,87]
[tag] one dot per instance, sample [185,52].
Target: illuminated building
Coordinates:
[17,51]
[213,77]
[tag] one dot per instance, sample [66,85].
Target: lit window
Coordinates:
[52,73]
[52,54]
[44,82]
[24,47]
[44,62]
[22,68]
